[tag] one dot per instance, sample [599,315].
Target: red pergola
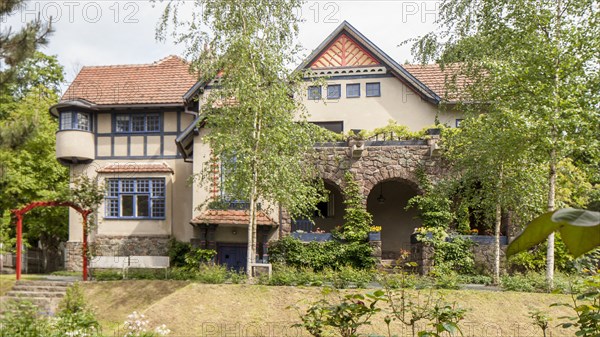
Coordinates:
[19,213]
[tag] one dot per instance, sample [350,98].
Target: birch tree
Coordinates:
[539,59]
[257,125]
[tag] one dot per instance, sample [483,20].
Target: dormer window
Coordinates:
[71,120]
[134,123]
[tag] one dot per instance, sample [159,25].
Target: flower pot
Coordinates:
[374,236]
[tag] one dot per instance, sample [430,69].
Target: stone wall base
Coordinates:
[117,246]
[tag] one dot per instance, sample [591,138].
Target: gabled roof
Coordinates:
[163,82]
[346,29]
[435,79]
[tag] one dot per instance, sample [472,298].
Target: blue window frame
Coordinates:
[314,92]
[373,89]
[137,123]
[73,120]
[334,91]
[135,198]
[353,90]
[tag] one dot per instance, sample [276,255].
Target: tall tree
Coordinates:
[539,59]
[16,47]
[493,162]
[29,170]
[257,126]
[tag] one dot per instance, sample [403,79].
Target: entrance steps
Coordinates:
[46,295]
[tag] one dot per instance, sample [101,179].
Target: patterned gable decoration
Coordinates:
[344,52]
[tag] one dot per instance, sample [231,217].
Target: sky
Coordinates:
[110,32]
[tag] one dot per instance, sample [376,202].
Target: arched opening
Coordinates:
[387,203]
[330,213]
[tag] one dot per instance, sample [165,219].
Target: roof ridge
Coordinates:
[138,65]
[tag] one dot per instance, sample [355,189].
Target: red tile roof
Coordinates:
[231,217]
[435,79]
[135,167]
[164,81]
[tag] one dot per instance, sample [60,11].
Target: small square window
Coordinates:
[66,120]
[137,123]
[152,123]
[314,92]
[122,124]
[458,122]
[373,90]
[353,90]
[334,91]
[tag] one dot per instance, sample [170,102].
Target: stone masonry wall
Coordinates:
[117,246]
[377,163]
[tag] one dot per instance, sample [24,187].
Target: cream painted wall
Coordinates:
[104,146]
[104,123]
[153,145]
[397,102]
[178,203]
[137,145]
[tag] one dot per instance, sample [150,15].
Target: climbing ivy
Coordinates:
[357,221]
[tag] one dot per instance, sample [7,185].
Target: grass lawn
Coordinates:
[193,309]
[8,280]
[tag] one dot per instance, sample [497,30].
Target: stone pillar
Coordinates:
[376,246]
[422,254]
[73,255]
[211,243]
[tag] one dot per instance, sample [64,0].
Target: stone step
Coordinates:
[30,294]
[44,283]
[24,287]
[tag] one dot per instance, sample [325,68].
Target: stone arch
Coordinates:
[402,176]
[387,201]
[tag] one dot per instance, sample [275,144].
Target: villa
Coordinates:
[138,128]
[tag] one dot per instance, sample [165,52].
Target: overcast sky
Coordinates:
[123,32]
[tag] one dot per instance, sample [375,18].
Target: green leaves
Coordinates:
[579,229]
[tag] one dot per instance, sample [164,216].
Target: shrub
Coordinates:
[346,276]
[177,252]
[320,255]
[23,319]
[536,282]
[212,274]
[196,257]
[107,275]
[534,260]
[74,318]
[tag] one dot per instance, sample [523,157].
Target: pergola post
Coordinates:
[19,242]
[19,214]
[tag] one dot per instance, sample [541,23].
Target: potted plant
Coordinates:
[375,233]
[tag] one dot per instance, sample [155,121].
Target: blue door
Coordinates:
[233,256]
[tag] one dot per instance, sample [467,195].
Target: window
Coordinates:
[353,90]
[135,198]
[314,92]
[137,123]
[334,91]
[337,127]
[373,89]
[458,121]
[72,120]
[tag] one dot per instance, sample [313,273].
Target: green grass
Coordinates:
[194,309]
[8,280]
